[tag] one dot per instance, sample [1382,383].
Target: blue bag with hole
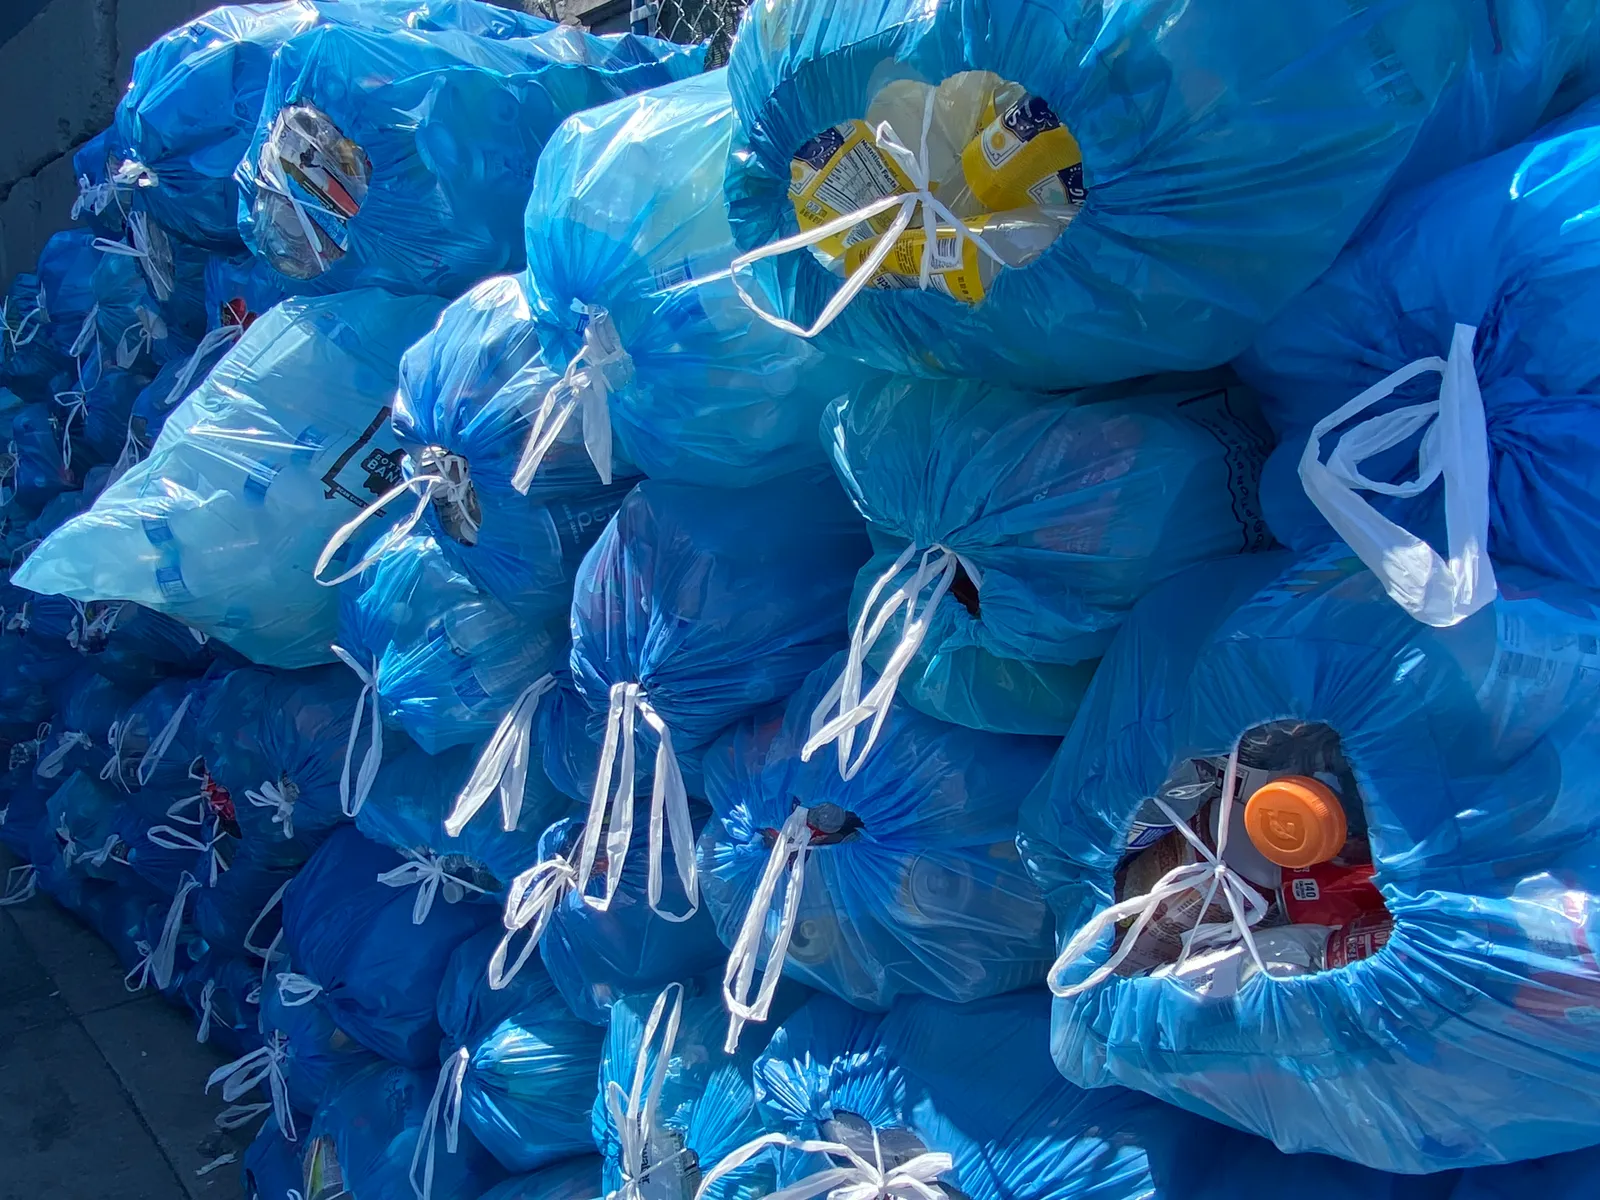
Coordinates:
[345,185]
[1472,751]
[1031,524]
[671,1104]
[239,288]
[973,1083]
[222,523]
[697,607]
[628,255]
[469,390]
[447,660]
[363,1139]
[909,879]
[358,939]
[1151,143]
[1402,295]
[522,1066]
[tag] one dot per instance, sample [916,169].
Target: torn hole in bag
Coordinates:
[311,182]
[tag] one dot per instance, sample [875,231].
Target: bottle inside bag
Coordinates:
[998,158]
[1296,836]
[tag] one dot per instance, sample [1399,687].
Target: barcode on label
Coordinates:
[1526,666]
[946,252]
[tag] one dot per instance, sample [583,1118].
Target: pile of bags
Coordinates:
[981,603]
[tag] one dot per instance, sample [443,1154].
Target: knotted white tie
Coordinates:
[296,991]
[1245,905]
[162,742]
[858,1180]
[586,386]
[426,871]
[503,765]
[50,765]
[263,1065]
[791,849]
[215,339]
[22,884]
[844,707]
[444,1109]
[157,272]
[906,204]
[350,801]
[207,1009]
[636,1112]
[280,799]
[169,837]
[440,475]
[158,962]
[531,901]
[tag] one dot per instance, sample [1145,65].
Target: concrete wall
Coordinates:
[60,76]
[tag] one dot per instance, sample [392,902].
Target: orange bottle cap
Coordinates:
[1296,821]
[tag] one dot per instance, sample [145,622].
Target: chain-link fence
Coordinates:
[684,21]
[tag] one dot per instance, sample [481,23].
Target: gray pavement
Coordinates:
[100,1090]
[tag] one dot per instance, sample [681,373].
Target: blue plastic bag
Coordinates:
[696,608]
[628,254]
[272,1168]
[1175,225]
[469,390]
[446,661]
[1502,338]
[237,914]
[149,293]
[101,203]
[519,1069]
[80,732]
[354,936]
[900,880]
[671,1105]
[1471,750]
[238,290]
[50,457]
[303,1060]
[964,1098]
[570,1179]
[45,312]
[190,111]
[410,802]
[96,412]
[275,743]
[402,159]
[596,954]
[223,991]
[361,1142]
[157,739]
[83,812]
[1558,1177]
[1027,525]
[221,524]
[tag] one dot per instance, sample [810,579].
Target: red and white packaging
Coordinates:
[1361,938]
[1330,893]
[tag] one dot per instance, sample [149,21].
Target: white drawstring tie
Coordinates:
[1245,905]
[1455,448]
[22,885]
[791,849]
[268,954]
[844,707]
[111,772]
[169,837]
[635,1113]
[159,274]
[441,476]
[503,765]
[350,802]
[148,328]
[76,402]
[93,197]
[280,799]
[262,1065]
[207,1008]
[158,962]
[50,765]
[88,634]
[224,335]
[162,742]
[35,321]
[445,1109]
[859,1180]
[88,334]
[599,365]
[531,901]
[921,195]
[426,870]
[669,806]
[296,991]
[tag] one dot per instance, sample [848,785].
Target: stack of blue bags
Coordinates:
[977,604]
